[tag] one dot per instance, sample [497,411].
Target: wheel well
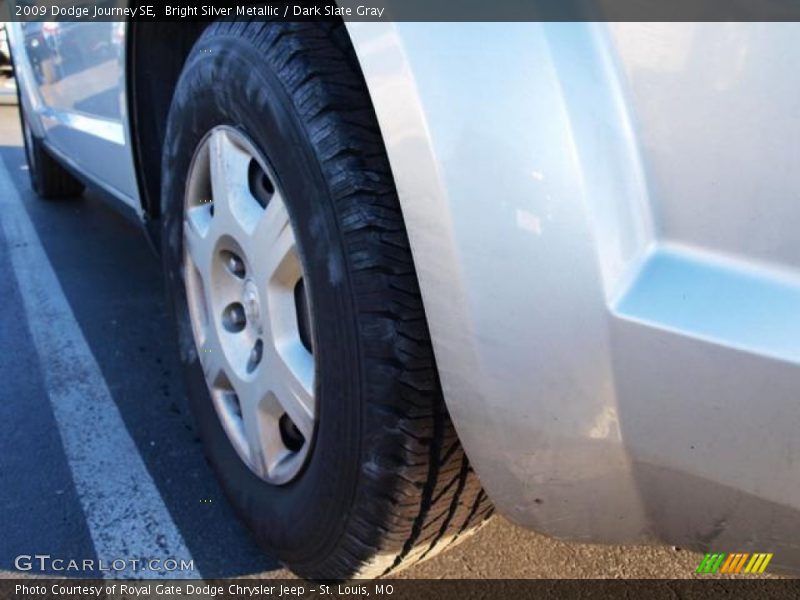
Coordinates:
[156,53]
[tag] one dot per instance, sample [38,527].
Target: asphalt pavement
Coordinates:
[94,442]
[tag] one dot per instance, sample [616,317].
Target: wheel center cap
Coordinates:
[252,304]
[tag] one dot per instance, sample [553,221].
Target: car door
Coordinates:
[73,78]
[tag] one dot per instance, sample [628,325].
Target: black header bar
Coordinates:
[402,10]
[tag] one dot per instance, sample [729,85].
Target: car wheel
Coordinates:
[48,178]
[309,366]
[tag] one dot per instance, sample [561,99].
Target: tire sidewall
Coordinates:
[231,84]
[31,145]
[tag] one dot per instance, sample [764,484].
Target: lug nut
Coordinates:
[234,264]
[233,317]
[255,356]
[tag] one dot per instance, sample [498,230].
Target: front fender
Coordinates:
[492,175]
[583,399]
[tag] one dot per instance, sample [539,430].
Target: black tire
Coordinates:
[387,483]
[48,178]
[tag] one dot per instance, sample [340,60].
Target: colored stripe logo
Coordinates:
[734,563]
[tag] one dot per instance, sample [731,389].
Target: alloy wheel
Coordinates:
[248,305]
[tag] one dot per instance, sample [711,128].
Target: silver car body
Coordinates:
[604,220]
[72,75]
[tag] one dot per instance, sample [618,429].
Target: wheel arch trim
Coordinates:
[531,430]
